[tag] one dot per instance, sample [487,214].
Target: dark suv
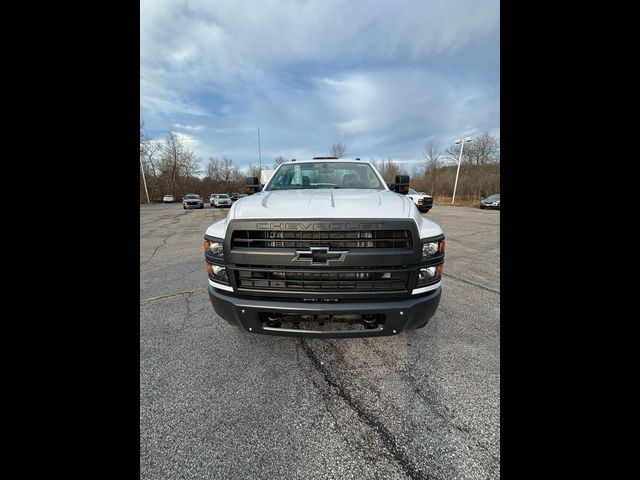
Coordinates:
[492,201]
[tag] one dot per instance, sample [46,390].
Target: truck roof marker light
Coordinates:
[441,248]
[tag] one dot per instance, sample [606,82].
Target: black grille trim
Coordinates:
[336,239]
[322,280]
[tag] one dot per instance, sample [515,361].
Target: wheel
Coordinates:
[201,206]
[427,210]
[422,325]
[184,206]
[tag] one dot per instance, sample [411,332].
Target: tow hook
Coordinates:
[370,321]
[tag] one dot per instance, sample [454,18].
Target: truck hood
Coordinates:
[323,203]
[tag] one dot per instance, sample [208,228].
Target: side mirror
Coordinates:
[252,185]
[401,184]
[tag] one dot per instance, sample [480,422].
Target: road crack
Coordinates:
[170,295]
[163,244]
[489,289]
[387,438]
[430,399]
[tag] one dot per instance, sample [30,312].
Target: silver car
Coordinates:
[220,200]
[191,200]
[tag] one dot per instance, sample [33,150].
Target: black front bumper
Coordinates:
[425,204]
[400,315]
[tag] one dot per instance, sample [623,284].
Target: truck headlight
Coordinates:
[428,275]
[213,248]
[429,249]
[218,273]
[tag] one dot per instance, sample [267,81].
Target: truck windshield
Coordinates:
[314,175]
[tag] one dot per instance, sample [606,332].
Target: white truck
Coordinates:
[423,201]
[265,176]
[325,249]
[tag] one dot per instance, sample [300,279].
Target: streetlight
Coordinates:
[461,143]
[144,179]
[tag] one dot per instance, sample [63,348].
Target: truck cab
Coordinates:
[325,249]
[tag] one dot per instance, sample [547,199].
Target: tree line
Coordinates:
[435,173]
[171,167]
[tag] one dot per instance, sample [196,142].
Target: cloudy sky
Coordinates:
[381,77]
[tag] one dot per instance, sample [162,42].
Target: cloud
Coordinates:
[190,127]
[382,79]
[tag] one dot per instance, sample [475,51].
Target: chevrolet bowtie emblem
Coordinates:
[320,255]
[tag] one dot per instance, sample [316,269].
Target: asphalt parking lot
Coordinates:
[218,402]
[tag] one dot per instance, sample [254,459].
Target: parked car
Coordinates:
[220,200]
[192,200]
[423,201]
[168,199]
[237,196]
[492,201]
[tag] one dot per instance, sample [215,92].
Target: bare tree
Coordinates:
[151,158]
[178,160]
[142,136]
[213,169]
[189,164]
[388,169]
[338,150]
[226,169]
[484,149]
[278,160]
[431,155]
[253,171]
[173,149]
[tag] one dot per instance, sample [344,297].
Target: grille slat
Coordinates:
[277,278]
[335,239]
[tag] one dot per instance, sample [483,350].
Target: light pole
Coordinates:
[461,143]
[259,152]
[144,179]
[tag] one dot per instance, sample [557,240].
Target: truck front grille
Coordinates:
[335,239]
[322,279]
[427,201]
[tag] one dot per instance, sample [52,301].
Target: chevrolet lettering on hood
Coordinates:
[318,226]
[325,249]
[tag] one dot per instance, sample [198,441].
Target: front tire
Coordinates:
[184,206]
